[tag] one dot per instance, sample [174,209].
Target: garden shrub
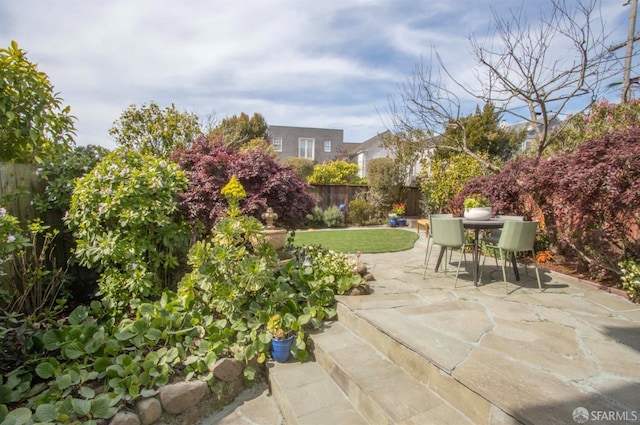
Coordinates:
[360,211]
[602,117]
[125,217]
[316,218]
[223,310]
[236,278]
[385,183]
[60,173]
[303,167]
[335,172]
[587,200]
[333,217]
[442,179]
[210,164]
[630,270]
[34,279]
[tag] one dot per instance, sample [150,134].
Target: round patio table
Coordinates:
[476,226]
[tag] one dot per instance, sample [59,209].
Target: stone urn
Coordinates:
[274,236]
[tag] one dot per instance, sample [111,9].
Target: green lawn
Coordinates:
[370,241]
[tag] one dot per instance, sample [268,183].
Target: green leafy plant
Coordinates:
[333,217]
[125,217]
[334,172]
[630,279]
[60,173]
[281,327]
[34,125]
[476,201]
[35,279]
[360,211]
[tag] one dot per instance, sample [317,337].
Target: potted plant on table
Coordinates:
[281,336]
[477,207]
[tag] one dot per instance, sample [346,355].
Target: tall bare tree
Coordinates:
[425,105]
[544,68]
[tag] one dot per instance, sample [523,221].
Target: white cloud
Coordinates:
[309,63]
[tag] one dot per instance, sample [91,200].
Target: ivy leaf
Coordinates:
[81,407]
[47,413]
[73,350]
[5,394]
[19,416]
[51,340]
[124,335]
[45,370]
[101,364]
[100,407]
[87,392]
[153,334]
[304,319]
[249,373]
[78,315]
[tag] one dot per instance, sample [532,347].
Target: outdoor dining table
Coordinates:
[476,226]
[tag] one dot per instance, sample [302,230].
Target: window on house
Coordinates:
[327,145]
[277,144]
[305,148]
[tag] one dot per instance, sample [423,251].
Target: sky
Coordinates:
[323,64]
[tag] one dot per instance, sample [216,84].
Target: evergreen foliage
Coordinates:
[34,124]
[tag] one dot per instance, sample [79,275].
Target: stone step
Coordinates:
[306,395]
[380,390]
[433,372]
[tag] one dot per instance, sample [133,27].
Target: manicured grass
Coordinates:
[370,241]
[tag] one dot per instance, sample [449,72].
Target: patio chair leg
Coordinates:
[535,265]
[428,253]
[504,271]
[455,283]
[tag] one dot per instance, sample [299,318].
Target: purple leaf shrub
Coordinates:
[588,200]
[268,183]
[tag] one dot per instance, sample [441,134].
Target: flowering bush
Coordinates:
[124,215]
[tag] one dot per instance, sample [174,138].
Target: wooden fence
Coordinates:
[328,195]
[18,184]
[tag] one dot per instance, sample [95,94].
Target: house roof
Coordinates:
[372,142]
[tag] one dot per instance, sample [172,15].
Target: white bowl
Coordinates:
[478,213]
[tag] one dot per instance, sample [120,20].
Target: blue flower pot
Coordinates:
[402,222]
[393,222]
[281,349]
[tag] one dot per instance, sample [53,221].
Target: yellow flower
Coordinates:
[234,190]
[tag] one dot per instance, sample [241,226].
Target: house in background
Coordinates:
[362,153]
[316,144]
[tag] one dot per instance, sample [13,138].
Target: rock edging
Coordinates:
[186,402]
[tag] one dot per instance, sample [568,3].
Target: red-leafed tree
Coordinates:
[589,199]
[268,183]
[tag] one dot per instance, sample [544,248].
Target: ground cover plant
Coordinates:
[362,240]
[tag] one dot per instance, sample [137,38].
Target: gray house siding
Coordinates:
[314,141]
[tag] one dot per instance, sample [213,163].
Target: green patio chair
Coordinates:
[449,234]
[517,237]
[430,237]
[491,240]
